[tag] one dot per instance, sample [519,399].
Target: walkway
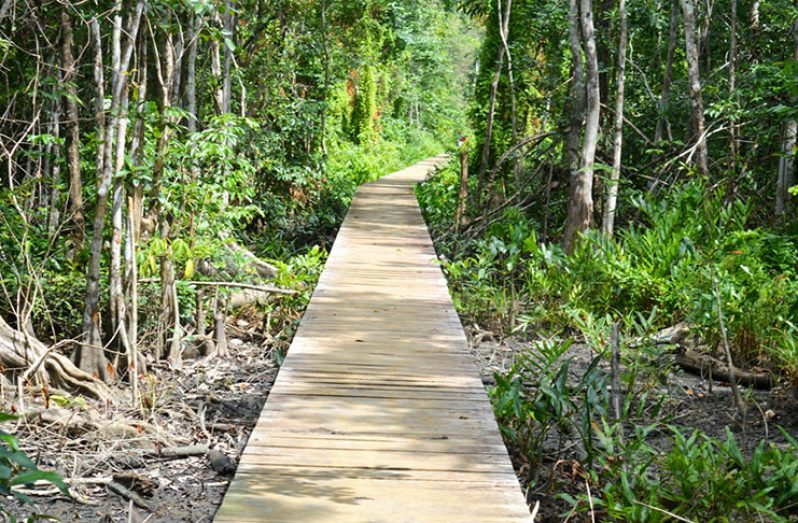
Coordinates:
[378,413]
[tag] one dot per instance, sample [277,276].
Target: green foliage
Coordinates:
[364,113]
[699,478]
[535,397]
[691,475]
[17,469]
[687,241]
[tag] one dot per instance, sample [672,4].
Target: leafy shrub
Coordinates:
[700,478]
[693,243]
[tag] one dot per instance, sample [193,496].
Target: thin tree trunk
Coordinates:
[90,356]
[132,272]
[705,49]
[227,85]
[73,132]
[326,81]
[177,79]
[191,75]
[135,206]
[580,210]
[788,151]
[694,79]
[504,27]
[462,197]
[494,87]
[165,80]
[55,172]
[663,125]
[216,72]
[755,15]
[608,224]
[732,87]
[577,95]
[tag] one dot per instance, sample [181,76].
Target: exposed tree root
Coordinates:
[21,352]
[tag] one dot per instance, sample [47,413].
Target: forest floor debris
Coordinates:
[170,463]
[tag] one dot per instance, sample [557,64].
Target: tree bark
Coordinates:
[90,355]
[227,85]
[462,197]
[504,29]
[694,80]
[73,132]
[494,87]
[19,350]
[576,100]
[608,223]
[663,125]
[580,209]
[216,72]
[191,75]
[786,177]
[326,81]
[732,87]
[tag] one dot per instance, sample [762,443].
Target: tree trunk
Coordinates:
[788,150]
[608,224]
[216,72]
[227,85]
[694,80]
[663,125]
[580,209]
[73,132]
[494,87]
[326,82]
[165,80]
[462,197]
[177,78]
[577,95]
[90,354]
[191,75]
[732,87]
[55,172]
[705,51]
[504,27]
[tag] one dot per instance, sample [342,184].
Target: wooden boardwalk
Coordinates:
[378,413]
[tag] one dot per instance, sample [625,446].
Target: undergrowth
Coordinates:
[689,249]
[688,255]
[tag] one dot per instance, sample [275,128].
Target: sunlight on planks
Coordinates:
[378,413]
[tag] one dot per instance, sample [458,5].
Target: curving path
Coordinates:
[378,413]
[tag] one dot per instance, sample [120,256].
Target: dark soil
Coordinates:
[225,395]
[690,405]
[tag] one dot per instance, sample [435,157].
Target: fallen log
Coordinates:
[697,362]
[257,288]
[259,266]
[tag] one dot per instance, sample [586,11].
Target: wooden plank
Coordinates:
[378,413]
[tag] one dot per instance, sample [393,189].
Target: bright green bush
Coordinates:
[699,478]
[692,249]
